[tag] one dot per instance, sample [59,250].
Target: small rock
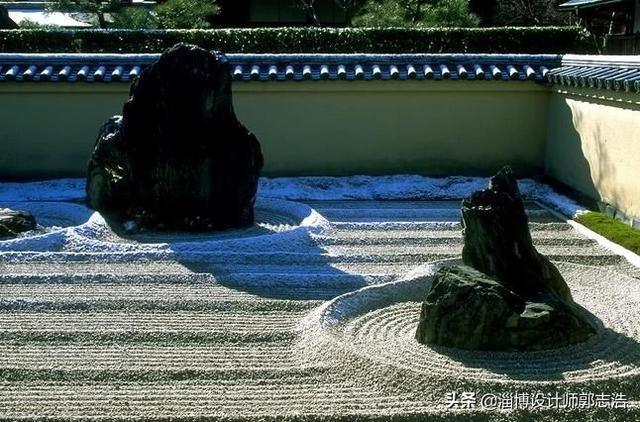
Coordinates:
[13,223]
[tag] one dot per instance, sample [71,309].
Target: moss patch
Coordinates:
[612,229]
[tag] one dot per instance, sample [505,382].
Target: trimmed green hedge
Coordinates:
[303,40]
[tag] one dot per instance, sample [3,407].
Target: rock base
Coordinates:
[466,309]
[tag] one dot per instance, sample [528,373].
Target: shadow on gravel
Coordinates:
[291,265]
[276,258]
[606,345]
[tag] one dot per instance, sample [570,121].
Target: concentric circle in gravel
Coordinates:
[378,323]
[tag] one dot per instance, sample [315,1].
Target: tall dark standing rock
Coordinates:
[178,158]
[497,241]
[507,296]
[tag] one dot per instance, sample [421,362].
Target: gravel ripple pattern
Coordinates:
[308,315]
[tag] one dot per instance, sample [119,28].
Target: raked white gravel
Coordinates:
[309,315]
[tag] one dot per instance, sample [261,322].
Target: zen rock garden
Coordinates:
[178,158]
[506,296]
[144,310]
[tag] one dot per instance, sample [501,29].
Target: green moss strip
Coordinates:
[614,230]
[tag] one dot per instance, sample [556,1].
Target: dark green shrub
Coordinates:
[303,40]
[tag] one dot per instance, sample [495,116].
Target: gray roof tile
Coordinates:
[280,67]
[615,73]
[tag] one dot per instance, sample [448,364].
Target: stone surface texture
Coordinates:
[506,296]
[178,158]
[497,241]
[467,309]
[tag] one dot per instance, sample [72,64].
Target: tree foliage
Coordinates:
[135,18]
[185,14]
[529,13]
[351,7]
[98,10]
[438,13]
[519,12]
[416,13]
[172,14]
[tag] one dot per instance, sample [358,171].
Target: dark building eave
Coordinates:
[586,4]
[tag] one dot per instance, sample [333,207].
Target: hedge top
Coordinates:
[304,40]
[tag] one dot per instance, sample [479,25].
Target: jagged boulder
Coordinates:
[13,222]
[469,310]
[497,241]
[506,296]
[178,158]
